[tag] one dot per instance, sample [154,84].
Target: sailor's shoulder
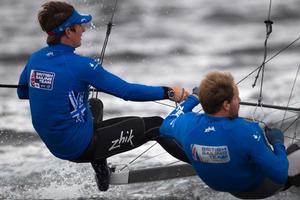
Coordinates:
[84,62]
[240,124]
[37,54]
[81,58]
[192,117]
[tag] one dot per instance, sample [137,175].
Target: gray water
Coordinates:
[153,42]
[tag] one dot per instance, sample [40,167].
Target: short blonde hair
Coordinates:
[215,88]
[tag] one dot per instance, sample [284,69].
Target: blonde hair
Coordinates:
[215,88]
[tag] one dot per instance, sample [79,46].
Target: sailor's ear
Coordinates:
[68,32]
[226,105]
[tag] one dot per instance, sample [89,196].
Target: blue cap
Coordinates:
[75,18]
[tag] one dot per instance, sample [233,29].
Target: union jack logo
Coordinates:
[78,106]
[32,78]
[194,152]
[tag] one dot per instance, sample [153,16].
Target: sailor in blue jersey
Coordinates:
[58,82]
[229,153]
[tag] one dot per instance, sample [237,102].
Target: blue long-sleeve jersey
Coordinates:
[229,155]
[58,81]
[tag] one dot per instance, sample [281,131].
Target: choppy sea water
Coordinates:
[152,42]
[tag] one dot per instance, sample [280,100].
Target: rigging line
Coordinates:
[291,93]
[253,113]
[268,23]
[270,8]
[261,70]
[291,123]
[298,110]
[292,138]
[150,158]
[295,133]
[270,106]
[258,120]
[108,31]
[138,156]
[285,119]
[263,113]
[258,105]
[271,58]
[165,104]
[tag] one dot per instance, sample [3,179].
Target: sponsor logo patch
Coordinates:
[210,129]
[50,53]
[210,154]
[42,79]
[256,137]
[125,138]
[94,66]
[179,111]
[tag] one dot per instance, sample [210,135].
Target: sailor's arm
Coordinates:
[22,90]
[273,164]
[109,83]
[175,123]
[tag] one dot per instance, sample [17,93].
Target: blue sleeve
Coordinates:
[22,91]
[94,74]
[180,119]
[273,164]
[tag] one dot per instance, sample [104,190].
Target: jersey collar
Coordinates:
[62,47]
[215,118]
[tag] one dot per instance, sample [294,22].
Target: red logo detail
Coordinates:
[32,78]
[194,152]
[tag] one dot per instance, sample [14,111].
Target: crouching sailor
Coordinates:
[57,84]
[229,153]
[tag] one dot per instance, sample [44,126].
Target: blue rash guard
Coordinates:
[229,155]
[58,83]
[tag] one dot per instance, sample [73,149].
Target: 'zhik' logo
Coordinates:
[123,139]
